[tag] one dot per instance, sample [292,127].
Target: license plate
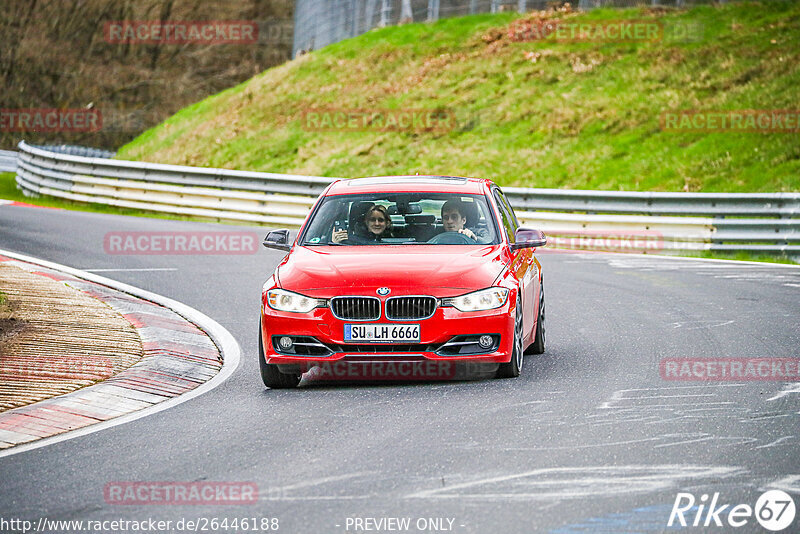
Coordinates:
[382,333]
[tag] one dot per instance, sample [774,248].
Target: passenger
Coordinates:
[454,219]
[376,221]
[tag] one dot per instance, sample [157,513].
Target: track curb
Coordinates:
[186,354]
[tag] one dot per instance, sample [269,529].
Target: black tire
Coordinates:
[270,374]
[513,368]
[537,347]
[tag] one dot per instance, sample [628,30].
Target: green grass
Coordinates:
[741,256]
[9,191]
[582,116]
[5,309]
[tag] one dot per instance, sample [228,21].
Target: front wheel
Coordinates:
[537,347]
[513,368]
[270,374]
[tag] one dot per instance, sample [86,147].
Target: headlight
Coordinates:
[279,299]
[485,299]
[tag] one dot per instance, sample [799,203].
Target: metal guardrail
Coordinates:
[626,221]
[8,161]
[655,203]
[75,150]
[219,194]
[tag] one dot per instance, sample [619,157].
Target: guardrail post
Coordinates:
[406,14]
[433,10]
[369,14]
[386,13]
[354,18]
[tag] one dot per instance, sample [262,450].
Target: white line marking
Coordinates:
[650,419]
[571,447]
[4,201]
[518,405]
[280,493]
[672,396]
[706,438]
[790,388]
[224,340]
[704,410]
[711,324]
[616,396]
[790,484]
[130,270]
[758,419]
[619,395]
[321,498]
[680,405]
[581,482]
[784,438]
[732,263]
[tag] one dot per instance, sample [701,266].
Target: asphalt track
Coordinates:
[589,439]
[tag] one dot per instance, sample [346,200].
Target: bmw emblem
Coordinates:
[383,291]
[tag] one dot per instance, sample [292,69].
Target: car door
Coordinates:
[521,262]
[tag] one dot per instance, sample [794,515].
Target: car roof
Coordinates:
[411,184]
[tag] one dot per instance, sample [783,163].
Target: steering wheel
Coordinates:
[451,238]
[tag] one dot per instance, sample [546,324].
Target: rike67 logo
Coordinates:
[774,510]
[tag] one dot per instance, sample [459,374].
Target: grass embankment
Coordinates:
[7,321]
[582,115]
[740,256]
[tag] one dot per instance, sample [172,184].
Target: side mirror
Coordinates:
[278,239]
[528,238]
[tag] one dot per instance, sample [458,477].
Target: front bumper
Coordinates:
[435,332]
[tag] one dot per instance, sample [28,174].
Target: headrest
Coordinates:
[420,219]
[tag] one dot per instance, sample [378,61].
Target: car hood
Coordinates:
[404,268]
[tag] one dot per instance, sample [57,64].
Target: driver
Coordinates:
[454,218]
[377,222]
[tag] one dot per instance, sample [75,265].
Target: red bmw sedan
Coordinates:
[401,277]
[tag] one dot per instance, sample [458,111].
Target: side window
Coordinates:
[511,213]
[509,223]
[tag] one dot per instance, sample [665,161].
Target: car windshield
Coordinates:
[401,219]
